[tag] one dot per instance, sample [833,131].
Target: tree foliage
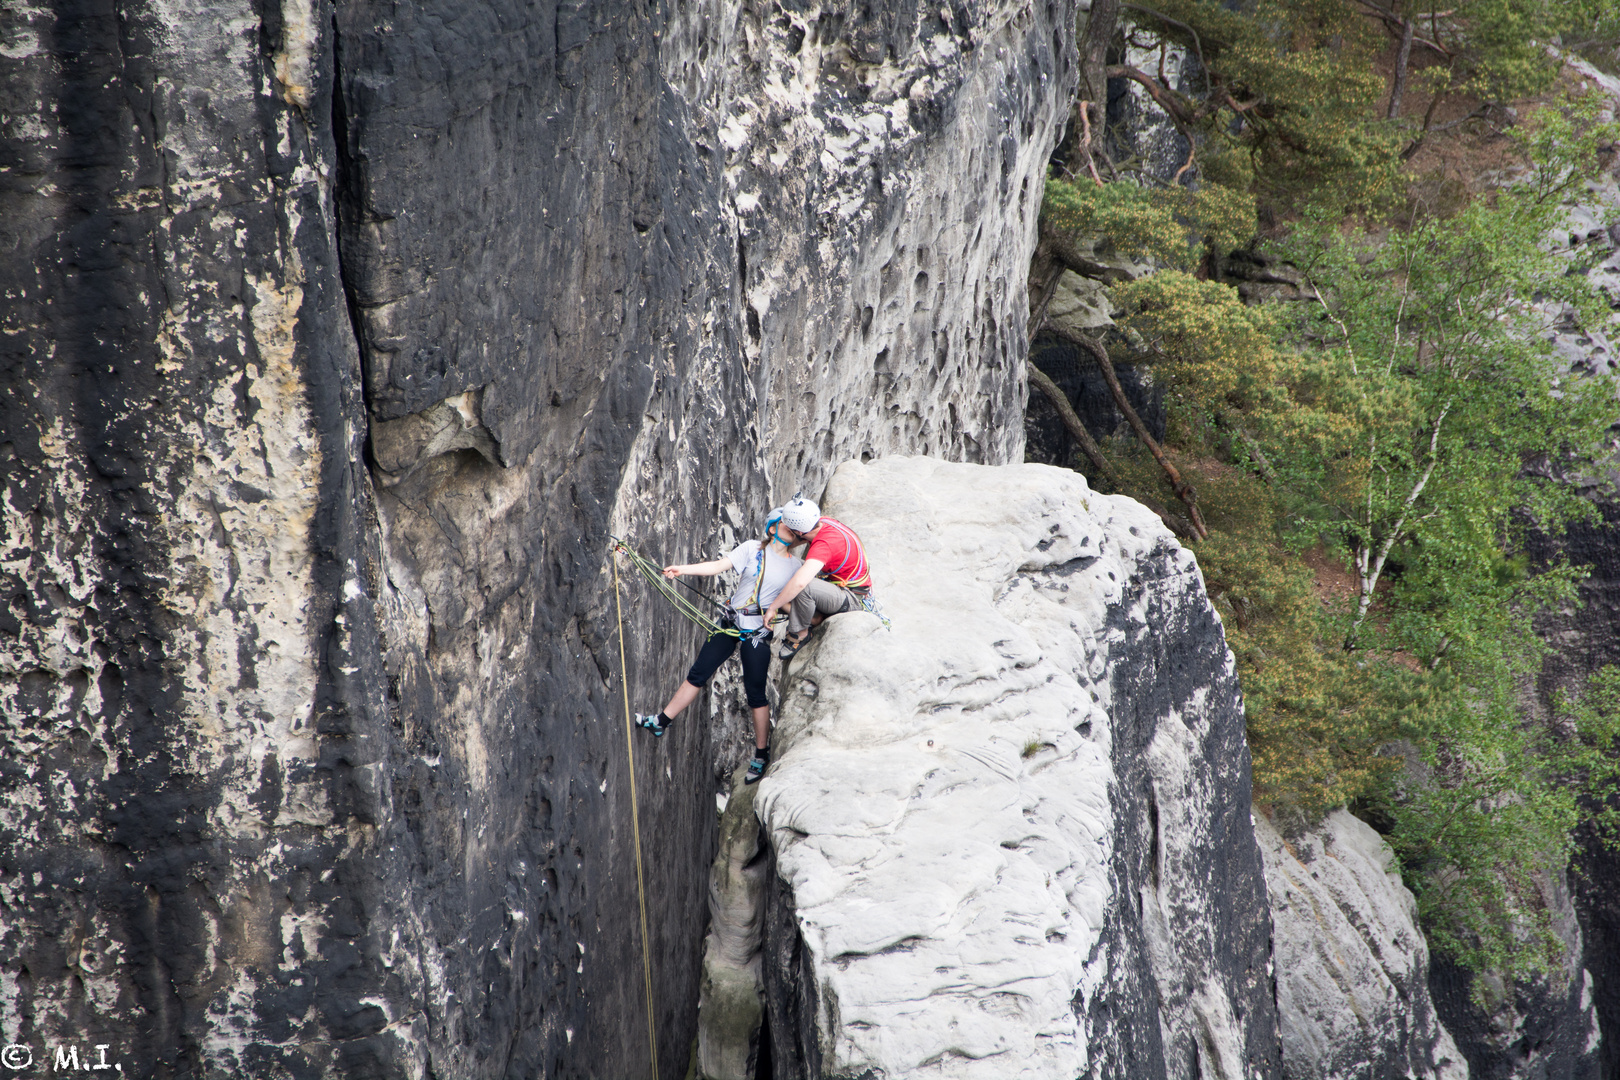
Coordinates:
[1408,431]
[1410,422]
[1488,802]
[1219,354]
[1138,221]
[1495,50]
[1283,102]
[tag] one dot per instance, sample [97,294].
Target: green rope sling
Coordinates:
[654,576]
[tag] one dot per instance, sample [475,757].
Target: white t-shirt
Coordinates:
[779,570]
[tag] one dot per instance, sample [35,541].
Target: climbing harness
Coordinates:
[635,823]
[860,588]
[860,581]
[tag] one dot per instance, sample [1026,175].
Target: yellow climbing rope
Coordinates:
[635,823]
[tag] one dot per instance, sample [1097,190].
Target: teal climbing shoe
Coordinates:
[756,769]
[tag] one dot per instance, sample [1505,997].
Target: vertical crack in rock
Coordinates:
[345,200]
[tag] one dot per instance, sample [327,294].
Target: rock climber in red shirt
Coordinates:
[833,579]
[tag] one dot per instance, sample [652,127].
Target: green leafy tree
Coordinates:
[1411,428]
[1487,827]
[1389,424]
[1217,356]
[1424,387]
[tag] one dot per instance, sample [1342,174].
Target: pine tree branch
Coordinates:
[1048,291]
[1198,45]
[1071,421]
[1393,21]
[1163,96]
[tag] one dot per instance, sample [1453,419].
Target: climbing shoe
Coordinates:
[651,723]
[791,645]
[756,769]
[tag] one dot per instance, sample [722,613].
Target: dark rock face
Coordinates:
[314,774]
[1541,1029]
[1202,871]
[337,338]
[1596,869]
[181,426]
[1078,376]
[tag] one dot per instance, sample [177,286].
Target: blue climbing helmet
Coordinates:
[772,520]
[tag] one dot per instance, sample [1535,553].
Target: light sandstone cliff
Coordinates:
[1352,965]
[1010,837]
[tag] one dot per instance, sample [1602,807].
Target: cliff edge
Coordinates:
[1011,836]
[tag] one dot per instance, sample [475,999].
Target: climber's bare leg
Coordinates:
[684,695]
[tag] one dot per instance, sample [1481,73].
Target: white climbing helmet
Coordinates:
[801,515]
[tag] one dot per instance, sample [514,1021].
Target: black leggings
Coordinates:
[756,662]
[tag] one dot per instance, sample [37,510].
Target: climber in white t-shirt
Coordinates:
[763,567]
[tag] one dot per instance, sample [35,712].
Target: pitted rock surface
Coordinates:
[1010,836]
[338,338]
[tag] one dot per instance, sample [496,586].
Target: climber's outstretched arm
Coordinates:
[702,569]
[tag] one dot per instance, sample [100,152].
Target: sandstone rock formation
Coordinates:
[1011,836]
[1352,965]
[337,339]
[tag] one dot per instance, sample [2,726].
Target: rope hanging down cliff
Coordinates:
[635,817]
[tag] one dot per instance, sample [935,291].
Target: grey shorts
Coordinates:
[819,597]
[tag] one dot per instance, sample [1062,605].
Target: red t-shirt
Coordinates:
[839,549]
